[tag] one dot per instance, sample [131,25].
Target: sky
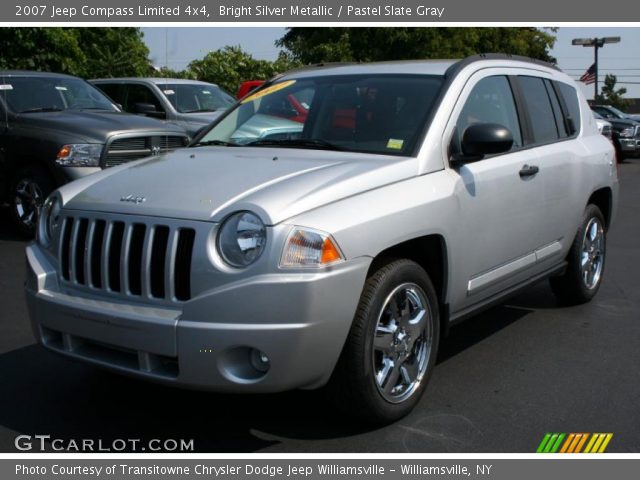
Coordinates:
[175,47]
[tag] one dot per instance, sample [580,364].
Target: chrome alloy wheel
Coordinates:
[28,201]
[402,343]
[592,254]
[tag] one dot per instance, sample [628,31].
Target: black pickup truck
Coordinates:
[56,128]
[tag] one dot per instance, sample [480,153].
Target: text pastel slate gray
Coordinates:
[301,11]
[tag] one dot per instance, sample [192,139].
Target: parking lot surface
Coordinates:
[503,378]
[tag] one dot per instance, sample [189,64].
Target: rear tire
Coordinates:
[391,349]
[29,188]
[586,261]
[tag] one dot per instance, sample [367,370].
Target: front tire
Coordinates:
[586,261]
[30,187]
[392,346]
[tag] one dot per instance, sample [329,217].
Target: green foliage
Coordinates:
[609,95]
[47,49]
[228,67]
[114,52]
[85,52]
[357,44]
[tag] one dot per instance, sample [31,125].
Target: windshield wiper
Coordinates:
[203,110]
[214,142]
[105,109]
[297,142]
[42,109]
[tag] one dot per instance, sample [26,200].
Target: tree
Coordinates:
[339,44]
[46,49]
[609,95]
[228,67]
[114,52]
[85,52]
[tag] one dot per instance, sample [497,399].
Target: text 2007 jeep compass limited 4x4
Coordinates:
[277,254]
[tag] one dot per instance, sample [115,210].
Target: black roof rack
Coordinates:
[456,67]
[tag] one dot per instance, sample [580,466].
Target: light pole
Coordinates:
[596,43]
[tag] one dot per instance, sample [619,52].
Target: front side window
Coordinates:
[193,98]
[382,114]
[114,91]
[51,94]
[491,101]
[141,94]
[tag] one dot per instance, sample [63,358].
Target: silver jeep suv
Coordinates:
[334,245]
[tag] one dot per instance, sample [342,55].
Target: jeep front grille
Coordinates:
[132,259]
[125,149]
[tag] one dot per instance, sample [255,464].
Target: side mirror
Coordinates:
[148,109]
[483,139]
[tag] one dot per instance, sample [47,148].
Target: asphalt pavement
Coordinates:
[503,378]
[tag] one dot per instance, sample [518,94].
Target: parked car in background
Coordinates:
[626,132]
[191,104]
[417,194]
[608,111]
[247,86]
[604,126]
[57,128]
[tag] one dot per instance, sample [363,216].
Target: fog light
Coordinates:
[260,360]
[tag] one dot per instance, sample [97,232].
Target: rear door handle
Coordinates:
[528,171]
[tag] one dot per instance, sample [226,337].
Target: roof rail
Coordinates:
[456,67]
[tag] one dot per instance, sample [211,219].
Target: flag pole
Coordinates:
[596,45]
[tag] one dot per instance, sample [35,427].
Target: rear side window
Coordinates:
[543,121]
[570,97]
[561,124]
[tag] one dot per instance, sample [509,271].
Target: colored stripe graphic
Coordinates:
[574,443]
[598,443]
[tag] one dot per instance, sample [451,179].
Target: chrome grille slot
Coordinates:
[80,250]
[184,252]
[65,245]
[127,259]
[135,258]
[96,253]
[171,143]
[114,254]
[124,144]
[157,265]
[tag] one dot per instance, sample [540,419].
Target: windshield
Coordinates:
[191,98]
[382,114]
[42,94]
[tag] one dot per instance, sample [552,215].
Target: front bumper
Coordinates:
[631,145]
[299,320]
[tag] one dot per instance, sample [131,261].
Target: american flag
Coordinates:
[589,76]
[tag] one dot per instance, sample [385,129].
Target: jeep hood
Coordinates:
[208,183]
[95,126]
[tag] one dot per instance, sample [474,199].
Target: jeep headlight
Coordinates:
[80,155]
[628,132]
[241,239]
[50,219]
[306,247]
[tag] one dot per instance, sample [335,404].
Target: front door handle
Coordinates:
[528,171]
